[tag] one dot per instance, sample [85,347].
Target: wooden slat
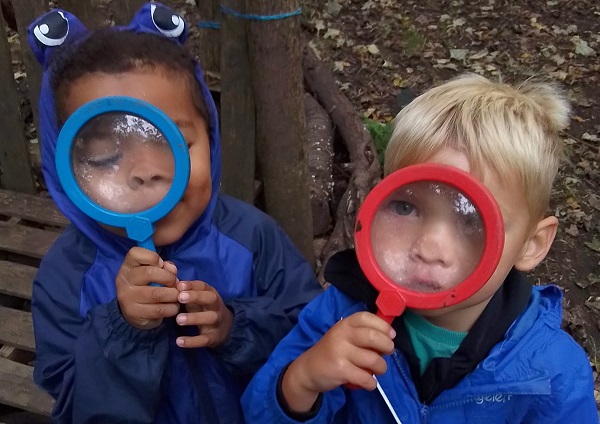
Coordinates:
[18,389]
[26,240]
[16,279]
[16,329]
[14,155]
[30,207]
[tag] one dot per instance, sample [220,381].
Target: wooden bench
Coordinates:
[28,227]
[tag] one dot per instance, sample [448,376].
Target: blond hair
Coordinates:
[514,131]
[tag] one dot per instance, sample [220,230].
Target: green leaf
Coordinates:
[381,134]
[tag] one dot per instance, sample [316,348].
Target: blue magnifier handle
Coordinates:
[141,230]
[148,244]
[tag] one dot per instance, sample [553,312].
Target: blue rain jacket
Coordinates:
[98,367]
[537,374]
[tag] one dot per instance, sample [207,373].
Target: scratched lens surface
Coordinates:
[122,162]
[427,236]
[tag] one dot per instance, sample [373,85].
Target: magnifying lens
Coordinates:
[124,163]
[428,236]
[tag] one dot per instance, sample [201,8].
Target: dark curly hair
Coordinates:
[113,52]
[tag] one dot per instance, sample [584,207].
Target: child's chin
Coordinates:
[164,238]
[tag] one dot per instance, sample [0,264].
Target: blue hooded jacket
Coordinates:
[97,366]
[536,375]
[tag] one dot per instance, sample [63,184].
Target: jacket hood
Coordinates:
[59,28]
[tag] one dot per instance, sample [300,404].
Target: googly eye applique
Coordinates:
[52,30]
[166,21]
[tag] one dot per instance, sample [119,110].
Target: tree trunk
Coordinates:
[238,114]
[90,12]
[123,10]
[209,38]
[25,13]
[275,54]
[14,155]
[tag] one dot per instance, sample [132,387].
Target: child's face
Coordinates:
[517,229]
[427,236]
[171,95]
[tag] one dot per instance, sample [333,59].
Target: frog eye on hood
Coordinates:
[52,30]
[166,21]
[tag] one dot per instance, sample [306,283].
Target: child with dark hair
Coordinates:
[111,347]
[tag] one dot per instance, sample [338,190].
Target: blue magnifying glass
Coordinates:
[124,163]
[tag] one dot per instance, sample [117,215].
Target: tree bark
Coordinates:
[238,114]
[25,12]
[319,136]
[14,155]
[275,55]
[209,38]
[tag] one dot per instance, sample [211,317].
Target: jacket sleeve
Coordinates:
[98,368]
[572,399]
[285,283]
[259,401]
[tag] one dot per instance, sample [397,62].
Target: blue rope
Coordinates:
[260,17]
[209,25]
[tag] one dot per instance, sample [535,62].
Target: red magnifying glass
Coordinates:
[428,236]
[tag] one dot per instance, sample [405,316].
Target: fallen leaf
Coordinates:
[479,55]
[368,5]
[594,202]
[593,245]
[340,65]
[582,48]
[591,280]
[373,49]
[319,25]
[572,230]
[333,7]
[558,59]
[571,29]
[459,22]
[590,137]
[331,33]
[369,112]
[458,54]
[314,48]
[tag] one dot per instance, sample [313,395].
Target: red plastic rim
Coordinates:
[394,298]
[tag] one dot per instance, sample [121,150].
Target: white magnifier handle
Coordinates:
[387,401]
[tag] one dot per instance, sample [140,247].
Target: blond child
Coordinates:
[498,357]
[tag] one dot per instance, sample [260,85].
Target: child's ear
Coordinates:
[538,244]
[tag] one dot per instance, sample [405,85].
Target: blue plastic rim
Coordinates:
[139,225]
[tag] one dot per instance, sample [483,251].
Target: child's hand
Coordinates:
[206,310]
[349,353]
[145,306]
